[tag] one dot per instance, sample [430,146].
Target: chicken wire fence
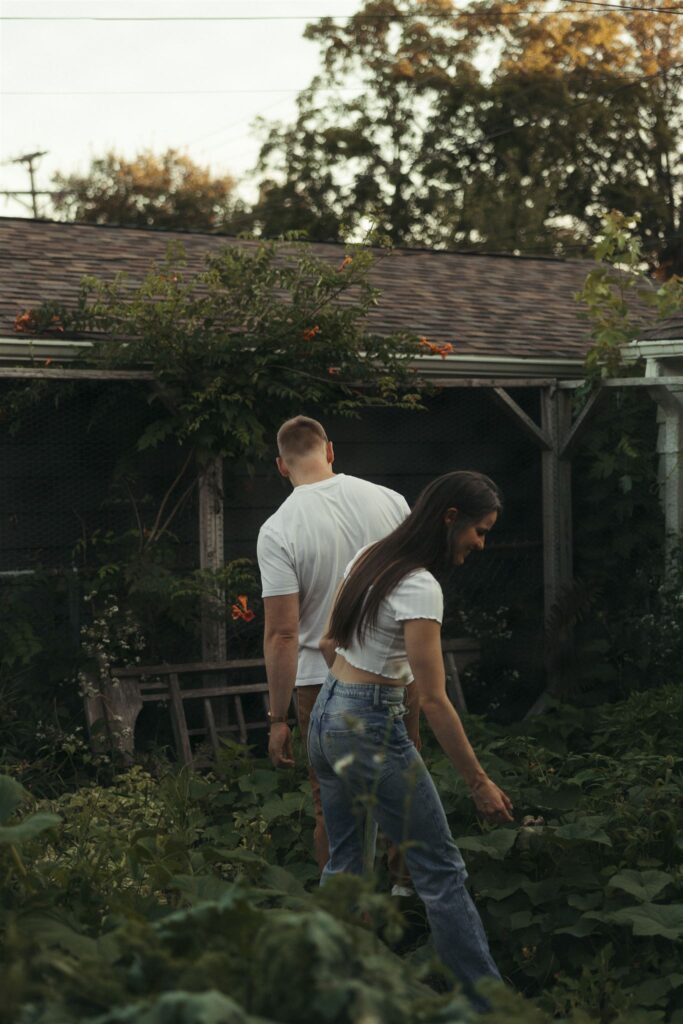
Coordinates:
[71,477]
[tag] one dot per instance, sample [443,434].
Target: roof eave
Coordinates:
[29,350]
[454,366]
[665,348]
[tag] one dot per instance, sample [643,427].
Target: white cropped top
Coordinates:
[417,596]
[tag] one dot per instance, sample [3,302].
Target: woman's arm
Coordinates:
[327,645]
[423,647]
[328,648]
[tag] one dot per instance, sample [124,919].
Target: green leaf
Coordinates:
[496,892]
[179,1007]
[12,794]
[29,828]
[653,991]
[652,919]
[585,901]
[545,891]
[563,798]
[585,830]
[522,919]
[580,929]
[46,931]
[494,844]
[261,781]
[644,885]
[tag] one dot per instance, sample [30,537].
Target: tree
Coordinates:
[168,191]
[507,124]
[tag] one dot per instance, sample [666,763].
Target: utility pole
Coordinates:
[28,160]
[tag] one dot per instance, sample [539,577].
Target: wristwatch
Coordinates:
[277,719]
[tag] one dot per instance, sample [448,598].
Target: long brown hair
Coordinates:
[423,541]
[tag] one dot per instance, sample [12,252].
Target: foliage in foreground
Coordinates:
[192,899]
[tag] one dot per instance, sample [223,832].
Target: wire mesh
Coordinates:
[70,473]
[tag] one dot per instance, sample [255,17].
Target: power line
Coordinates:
[284,92]
[376,16]
[184,17]
[175,92]
[627,7]
[233,124]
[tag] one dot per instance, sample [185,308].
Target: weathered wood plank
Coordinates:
[179,721]
[205,692]
[536,434]
[579,425]
[58,373]
[190,667]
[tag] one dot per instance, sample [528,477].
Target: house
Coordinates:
[502,405]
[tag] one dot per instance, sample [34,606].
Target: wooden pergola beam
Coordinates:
[535,433]
[626,382]
[573,436]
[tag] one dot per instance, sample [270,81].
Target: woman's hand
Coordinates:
[491,802]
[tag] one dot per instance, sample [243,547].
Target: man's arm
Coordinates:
[281,652]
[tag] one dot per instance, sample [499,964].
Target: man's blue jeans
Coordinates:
[363,757]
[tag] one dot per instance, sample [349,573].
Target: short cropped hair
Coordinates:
[299,436]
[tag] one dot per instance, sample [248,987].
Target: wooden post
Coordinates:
[556,421]
[211,556]
[670,471]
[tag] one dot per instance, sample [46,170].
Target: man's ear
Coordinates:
[329,452]
[450,516]
[282,467]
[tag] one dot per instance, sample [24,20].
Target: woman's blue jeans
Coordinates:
[361,753]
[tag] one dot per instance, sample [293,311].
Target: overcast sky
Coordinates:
[78,88]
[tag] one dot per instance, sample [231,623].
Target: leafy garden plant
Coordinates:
[265,330]
[185,898]
[622,601]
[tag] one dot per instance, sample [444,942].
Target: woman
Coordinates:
[384,634]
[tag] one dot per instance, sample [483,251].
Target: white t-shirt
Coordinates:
[417,596]
[304,547]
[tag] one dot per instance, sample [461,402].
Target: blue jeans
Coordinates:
[361,753]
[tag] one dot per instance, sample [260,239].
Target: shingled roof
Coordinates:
[486,305]
[669,329]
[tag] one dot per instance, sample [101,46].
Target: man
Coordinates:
[303,550]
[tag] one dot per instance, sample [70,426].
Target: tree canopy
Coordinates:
[166,191]
[506,124]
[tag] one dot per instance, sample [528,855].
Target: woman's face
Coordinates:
[472,538]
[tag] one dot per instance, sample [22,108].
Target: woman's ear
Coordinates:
[450,516]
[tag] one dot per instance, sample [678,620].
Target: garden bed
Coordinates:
[172,898]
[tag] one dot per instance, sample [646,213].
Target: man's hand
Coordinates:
[280,746]
[491,802]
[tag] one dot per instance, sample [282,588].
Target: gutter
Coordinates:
[454,366]
[430,367]
[666,349]
[30,350]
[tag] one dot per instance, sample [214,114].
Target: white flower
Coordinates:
[342,764]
